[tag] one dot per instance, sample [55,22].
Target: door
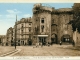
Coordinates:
[22,42]
[54,39]
[42,40]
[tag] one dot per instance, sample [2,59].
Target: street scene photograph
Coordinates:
[39,29]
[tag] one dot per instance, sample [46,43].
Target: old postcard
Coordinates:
[39,30]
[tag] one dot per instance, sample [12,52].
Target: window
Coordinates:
[22,31]
[29,24]
[42,28]
[53,21]
[42,20]
[22,25]
[29,29]
[0,40]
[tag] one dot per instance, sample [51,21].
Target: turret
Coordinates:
[39,8]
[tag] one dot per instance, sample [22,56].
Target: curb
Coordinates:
[8,53]
[15,52]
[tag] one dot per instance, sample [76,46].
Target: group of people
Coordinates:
[48,44]
[41,44]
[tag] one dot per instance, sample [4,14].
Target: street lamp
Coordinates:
[15,31]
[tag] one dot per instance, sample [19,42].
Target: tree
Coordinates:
[76,17]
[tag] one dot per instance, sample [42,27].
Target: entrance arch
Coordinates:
[54,38]
[66,38]
[29,42]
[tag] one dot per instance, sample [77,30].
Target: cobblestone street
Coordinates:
[54,50]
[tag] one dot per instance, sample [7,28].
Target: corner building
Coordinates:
[51,25]
[23,32]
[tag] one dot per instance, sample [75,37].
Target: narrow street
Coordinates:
[54,50]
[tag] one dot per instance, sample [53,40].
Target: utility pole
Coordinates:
[15,31]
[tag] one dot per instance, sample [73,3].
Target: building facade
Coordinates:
[23,32]
[47,25]
[51,25]
[2,40]
[9,37]
[41,24]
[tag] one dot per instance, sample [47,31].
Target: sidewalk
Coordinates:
[6,49]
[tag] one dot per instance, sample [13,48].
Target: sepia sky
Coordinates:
[8,12]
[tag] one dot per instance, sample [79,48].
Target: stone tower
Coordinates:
[60,26]
[41,24]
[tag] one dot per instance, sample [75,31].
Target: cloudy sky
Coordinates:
[8,12]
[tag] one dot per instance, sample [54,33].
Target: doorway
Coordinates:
[22,42]
[42,40]
[53,39]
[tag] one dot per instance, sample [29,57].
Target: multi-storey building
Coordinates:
[47,25]
[41,24]
[2,40]
[23,31]
[9,37]
[51,25]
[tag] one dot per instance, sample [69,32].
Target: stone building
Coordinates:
[60,27]
[41,24]
[47,25]
[2,40]
[24,31]
[9,37]
[51,25]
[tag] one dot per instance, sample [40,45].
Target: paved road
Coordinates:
[54,50]
[6,49]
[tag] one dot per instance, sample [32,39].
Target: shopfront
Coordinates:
[43,39]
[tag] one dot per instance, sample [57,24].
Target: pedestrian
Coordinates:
[73,43]
[41,44]
[37,45]
[48,44]
[60,42]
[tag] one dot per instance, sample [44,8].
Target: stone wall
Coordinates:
[76,38]
[56,20]
[61,20]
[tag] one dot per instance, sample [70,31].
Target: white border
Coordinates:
[41,1]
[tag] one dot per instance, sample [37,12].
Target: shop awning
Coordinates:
[42,35]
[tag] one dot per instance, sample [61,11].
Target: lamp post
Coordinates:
[15,31]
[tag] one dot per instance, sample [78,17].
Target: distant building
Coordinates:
[9,37]
[2,40]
